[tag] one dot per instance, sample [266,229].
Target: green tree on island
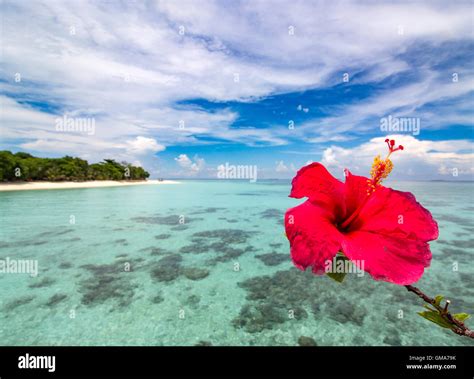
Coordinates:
[25,167]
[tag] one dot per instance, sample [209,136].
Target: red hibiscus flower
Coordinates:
[387,230]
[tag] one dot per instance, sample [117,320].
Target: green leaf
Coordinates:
[438,299]
[338,262]
[461,316]
[436,318]
[338,277]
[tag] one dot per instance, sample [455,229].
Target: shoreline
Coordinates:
[28,186]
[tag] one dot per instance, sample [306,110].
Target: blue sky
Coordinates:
[182,87]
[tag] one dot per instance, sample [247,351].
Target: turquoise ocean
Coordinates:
[207,263]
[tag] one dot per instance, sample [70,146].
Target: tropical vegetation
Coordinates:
[25,167]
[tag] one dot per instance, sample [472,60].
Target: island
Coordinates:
[23,171]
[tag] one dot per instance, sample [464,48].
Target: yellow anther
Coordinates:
[381,168]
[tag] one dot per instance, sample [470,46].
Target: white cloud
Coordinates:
[284,170]
[191,166]
[420,159]
[300,108]
[281,167]
[183,161]
[142,145]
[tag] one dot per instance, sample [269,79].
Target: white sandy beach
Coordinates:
[24,186]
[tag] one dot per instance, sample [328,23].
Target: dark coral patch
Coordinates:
[158,251]
[195,273]
[179,227]
[195,248]
[44,282]
[460,244]
[193,300]
[18,302]
[286,295]
[272,213]
[160,220]
[255,318]
[273,259]
[209,210]
[227,253]
[167,268]
[455,220]
[56,299]
[275,245]
[157,299]
[229,236]
[108,282]
[345,311]
[56,232]
[220,241]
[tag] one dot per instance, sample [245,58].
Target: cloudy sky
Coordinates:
[182,87]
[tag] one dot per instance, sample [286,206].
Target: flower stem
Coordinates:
[457,326]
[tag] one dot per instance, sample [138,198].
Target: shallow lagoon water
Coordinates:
[207,263]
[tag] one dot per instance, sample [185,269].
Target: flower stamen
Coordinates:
[381,168]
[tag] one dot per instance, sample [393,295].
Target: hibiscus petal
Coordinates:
[313,238]
[392,212]
[391,259]
[355,191]
[316,183]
